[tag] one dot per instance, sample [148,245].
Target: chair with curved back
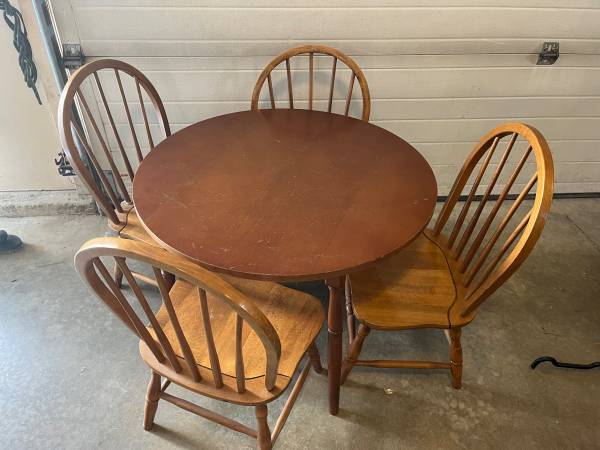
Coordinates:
[311,51]
[444,276]
[109,153]
[230,339]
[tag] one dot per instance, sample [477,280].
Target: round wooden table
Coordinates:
[286,195]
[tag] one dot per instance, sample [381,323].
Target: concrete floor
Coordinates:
[70,377]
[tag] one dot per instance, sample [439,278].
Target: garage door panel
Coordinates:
[566,174]
[270,47]
[578,151]
[337,3]
[196,23]
[384,84]
[471,130]
[446,131]
[503,109]
[399,61]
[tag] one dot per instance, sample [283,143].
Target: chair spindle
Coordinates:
[270,83]
[310,80]
[289,80]
[240,375]
[183,343]
[349,98]
[332,84]
[144,115]
[210,342]
[128,113]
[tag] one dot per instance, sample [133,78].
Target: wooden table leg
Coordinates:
[334,353]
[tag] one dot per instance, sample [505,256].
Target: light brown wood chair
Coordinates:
[113,150]
[443,277]
[311,51]
[230,339]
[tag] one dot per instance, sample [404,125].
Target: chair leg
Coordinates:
[118,275]
[354,351]
[349,312]
[315,358]
[264,435]
[456,358]
[152,397]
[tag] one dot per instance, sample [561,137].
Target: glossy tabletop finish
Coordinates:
[284,194]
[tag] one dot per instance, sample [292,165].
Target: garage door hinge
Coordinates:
[549,54]
[72,56]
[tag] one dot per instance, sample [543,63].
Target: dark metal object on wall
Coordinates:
[9,242]
[64,166]
[72,56]
[566,365]
[549,54]
[14,20]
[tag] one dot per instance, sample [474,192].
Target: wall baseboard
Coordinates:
[44,203]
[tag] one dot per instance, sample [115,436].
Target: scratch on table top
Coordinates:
[175,200]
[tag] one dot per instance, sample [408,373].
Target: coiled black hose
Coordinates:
[14,20]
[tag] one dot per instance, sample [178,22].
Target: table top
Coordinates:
[284,195]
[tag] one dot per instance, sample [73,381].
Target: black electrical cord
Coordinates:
[14,20]
[566,365]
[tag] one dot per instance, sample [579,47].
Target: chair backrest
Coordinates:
[495,229]
[92,99]
[123,252]
[311,51]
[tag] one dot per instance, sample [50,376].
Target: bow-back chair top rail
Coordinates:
[481,256]
[312,51]
[213,353]
[92,89]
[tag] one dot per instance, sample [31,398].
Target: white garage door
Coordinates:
[441,72]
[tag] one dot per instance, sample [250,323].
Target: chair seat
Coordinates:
[412,289]
[297,317]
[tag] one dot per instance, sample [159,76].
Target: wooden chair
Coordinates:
[230,339]
[110,158]
[443,277]
[311,51]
